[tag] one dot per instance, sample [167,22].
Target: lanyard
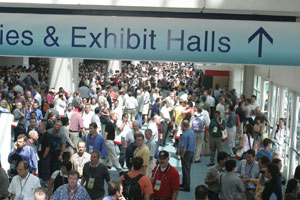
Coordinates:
[73,195]
[250,169]
[90,143]
[22,187]
[158,172]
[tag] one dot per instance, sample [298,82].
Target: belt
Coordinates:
[130,108]
[73,131]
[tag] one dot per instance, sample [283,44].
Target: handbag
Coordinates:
[224,135]
[239,154]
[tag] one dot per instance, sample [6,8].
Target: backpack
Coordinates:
[131,187]
[296,191]
[197,124]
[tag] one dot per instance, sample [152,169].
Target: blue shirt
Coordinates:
[263,152]
[97,143]
[61,193]
[39,114]
[155,109]
[27,153]
[188,140]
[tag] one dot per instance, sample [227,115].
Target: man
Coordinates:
[166,119]
[231,129]
[146,100]
[76,125]
[254,103]
[58,144]
[142,151]
[273,185]
[109,137]
[199,122]
[137,175]
[115,191]
[248,169]
[131,106]
[95,141]
[87,116]
[94,174]
[84,90]
[153,125]
[19,115]
[221,107]
[201,192]
[266,150]
[129,138]
[71,190]
[230,182]
[39,114]
[188,147]
[32,125]
[38,97]
[26,152]
[151,144]
[123,128]
[96,119]
[216,126]
[43,152]
[52,109]
[165,179]
[40,193]
[4,183]
[33,137]
[213,176]
[248,108]
[23,185]
[79,159]
[240,112]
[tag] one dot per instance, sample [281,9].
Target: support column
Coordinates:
[114,65]
[64,72]
[248,81]
[235,79]
[26,62]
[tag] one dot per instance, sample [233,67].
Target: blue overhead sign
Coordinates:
[138,38]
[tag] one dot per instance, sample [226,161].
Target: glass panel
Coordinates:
[273,105]
[298,132]
[265,97]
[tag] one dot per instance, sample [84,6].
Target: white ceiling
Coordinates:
[255,7]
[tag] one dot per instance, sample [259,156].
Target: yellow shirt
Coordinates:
[259,188]
[144,153]
[178,114]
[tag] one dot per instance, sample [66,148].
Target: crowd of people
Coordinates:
[64,142]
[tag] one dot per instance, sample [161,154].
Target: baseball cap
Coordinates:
[163,154]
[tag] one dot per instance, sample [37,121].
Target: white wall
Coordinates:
[287,77]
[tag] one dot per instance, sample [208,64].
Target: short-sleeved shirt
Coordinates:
[110,128]
[211,174]
[215,129]
[29,184]
[76,122]
[95,143]
[169,181]
[58,139]
[263,152]
[188,140]
[79,162]
[145,183]
[151,144]
[63,192]
[99,174]
[144,153]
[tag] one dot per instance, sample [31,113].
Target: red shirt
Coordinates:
[169,181]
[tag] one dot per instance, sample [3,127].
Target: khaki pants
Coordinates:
[215,143]
[199,142]
[206,140]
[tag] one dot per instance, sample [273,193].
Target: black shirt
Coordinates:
[110,128]
[44,141]
[99,173]
[272,187]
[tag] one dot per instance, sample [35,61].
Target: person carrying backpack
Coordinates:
[136,186]
[199,121]
[293,186]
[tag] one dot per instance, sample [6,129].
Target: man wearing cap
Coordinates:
[165,179]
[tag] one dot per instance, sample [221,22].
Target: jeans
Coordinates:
[139,118]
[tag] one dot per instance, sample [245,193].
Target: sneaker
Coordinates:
[210,164]
[197,161]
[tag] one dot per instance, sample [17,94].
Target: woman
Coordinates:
[258,130]
[247,139]
[51,120]
[60,104]
[279,135]
[59,177]
[293,185]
